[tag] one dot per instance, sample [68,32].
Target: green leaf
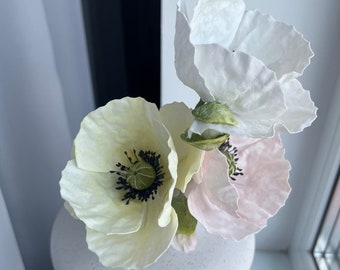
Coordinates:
[186,222]
[204,143]
[214,113]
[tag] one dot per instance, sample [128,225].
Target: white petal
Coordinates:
[216,21]
[237,80]
[177,118]
[97,203]
[278,45]
[136,250]
[298,114]
[168,157]
[301,111]
[184,57]
[121,125]
[245,86]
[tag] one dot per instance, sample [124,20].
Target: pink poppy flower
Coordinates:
[240,207]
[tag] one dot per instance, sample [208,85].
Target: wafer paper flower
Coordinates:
[240,186]
[121,181]
[243,65]
[177,117]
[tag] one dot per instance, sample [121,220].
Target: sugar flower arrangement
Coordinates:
[141,178]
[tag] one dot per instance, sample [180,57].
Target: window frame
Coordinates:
[324,175]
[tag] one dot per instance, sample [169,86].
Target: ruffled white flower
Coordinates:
[129,222]
[237,208]
[246,61]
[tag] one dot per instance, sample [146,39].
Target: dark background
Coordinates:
[124,48]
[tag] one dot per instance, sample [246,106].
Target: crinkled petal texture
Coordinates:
[90,189]
[243,59]
[177,118]
[255,196]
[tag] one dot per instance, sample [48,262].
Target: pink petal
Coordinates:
[216,185]
[264,187]
[262,190]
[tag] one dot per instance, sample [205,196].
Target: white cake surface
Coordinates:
[69,251]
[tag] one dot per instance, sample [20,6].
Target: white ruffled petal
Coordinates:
[136,250]
[97,203]
[278,45]
[240,81]
[244,84]
[216,21]
[301,111]
[184,56]
[177,118]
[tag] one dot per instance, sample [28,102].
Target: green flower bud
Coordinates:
[214,113]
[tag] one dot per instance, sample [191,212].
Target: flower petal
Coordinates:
[177,117]
[120,125]
[216,21]
[95,201]
[215,220]
[185,242]
[263,188]
[184,56]
[136,250]
[214,179]
[245,86]
[278,45]
[301,111]
[162,203]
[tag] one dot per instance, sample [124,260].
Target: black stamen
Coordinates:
[227,149]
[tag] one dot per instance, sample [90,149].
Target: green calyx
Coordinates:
[186,222]
[204,143]
[141,175]
[214,113]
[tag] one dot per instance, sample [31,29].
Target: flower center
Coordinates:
[141,179]
[230,153]
[141,175]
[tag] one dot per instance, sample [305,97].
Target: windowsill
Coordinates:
[269,260]
[295,260]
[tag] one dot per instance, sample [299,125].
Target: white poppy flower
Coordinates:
[121,181]
[244,65]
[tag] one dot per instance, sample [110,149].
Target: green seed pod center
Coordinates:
[141,179]
[141,175]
